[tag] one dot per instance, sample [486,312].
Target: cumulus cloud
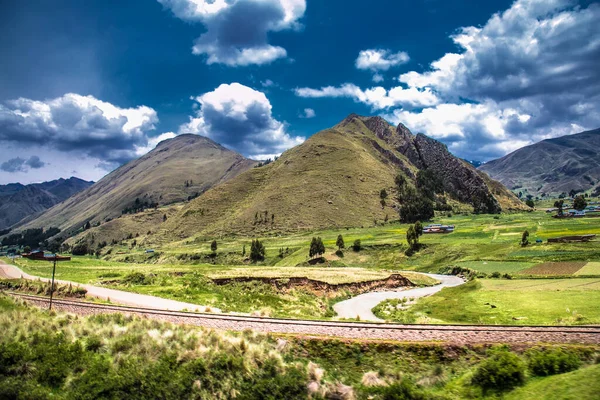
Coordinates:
[380,59]
[308,113]
[78,123]
[529,73]
[378,98]
[237,30]
[20,165]
[240,118]
[532,70]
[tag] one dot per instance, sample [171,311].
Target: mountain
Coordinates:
[177,169]
[551,166]
[19,201]
[334,179]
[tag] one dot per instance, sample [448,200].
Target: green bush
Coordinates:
[544,362]
[502,371]
[402,390]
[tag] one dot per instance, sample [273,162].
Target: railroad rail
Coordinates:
[458,334]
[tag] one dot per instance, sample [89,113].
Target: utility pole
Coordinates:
[52,284]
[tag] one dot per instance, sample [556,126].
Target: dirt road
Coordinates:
[115,296]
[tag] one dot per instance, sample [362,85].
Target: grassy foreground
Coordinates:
[47,355]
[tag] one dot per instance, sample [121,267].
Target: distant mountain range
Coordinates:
[177,170]
[552,166]
[19,201]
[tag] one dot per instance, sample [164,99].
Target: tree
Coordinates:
[26,249]
[165,218]
[383,195]
[428,183]
[257,251]
[559,204]
[317,248]
[525,239]
[416,205]
[340,242]
[87,226]
[244,251]
[418,229]
[356,246]
[213,246]
[579,203]
[572,193]
[530,203]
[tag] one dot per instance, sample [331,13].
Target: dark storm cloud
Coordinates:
[34,162]
[13,165]
[78,123]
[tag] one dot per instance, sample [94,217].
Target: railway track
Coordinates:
[459,334]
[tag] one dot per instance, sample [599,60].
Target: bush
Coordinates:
[552,361]
[501,372]
[402,390]
[80,249]
[356,246]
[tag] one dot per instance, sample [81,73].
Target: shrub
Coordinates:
[356,246]
[501,372]
[402,390]
[552,361]
[80,249]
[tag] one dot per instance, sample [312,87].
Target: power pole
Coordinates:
[52,285]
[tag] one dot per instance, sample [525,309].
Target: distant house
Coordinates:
[438,228]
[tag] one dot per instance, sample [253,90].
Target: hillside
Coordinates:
[176,170]
[19,201]
[551,166]
[334,180]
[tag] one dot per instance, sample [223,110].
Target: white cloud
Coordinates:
[75,122]
[240,118]
[237,30]
[308,113]
[529,73]
[378,98]
[380,59]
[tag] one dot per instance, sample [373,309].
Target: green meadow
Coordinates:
[488,245]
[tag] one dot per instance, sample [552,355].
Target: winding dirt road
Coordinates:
[115,296]
[361,306]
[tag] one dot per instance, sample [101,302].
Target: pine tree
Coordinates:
[525,239]
[579,203]
[257,251]
[340,242]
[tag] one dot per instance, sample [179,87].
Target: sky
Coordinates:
[88,86]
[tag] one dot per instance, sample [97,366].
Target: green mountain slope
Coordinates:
[551,166]
[334,180]
[177,169]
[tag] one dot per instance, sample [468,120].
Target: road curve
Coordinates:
[361,306]
[455,334]
[115,296]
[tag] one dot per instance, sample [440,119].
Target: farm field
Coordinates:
[485,243]
[508,302]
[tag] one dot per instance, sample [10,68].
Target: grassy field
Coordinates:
[576,385]
[486,243]
[54,355]
[499,301]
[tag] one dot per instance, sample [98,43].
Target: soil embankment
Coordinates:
[321,288]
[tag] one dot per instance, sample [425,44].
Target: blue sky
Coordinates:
[86,86]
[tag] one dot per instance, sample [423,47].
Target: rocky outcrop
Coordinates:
[461,180]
